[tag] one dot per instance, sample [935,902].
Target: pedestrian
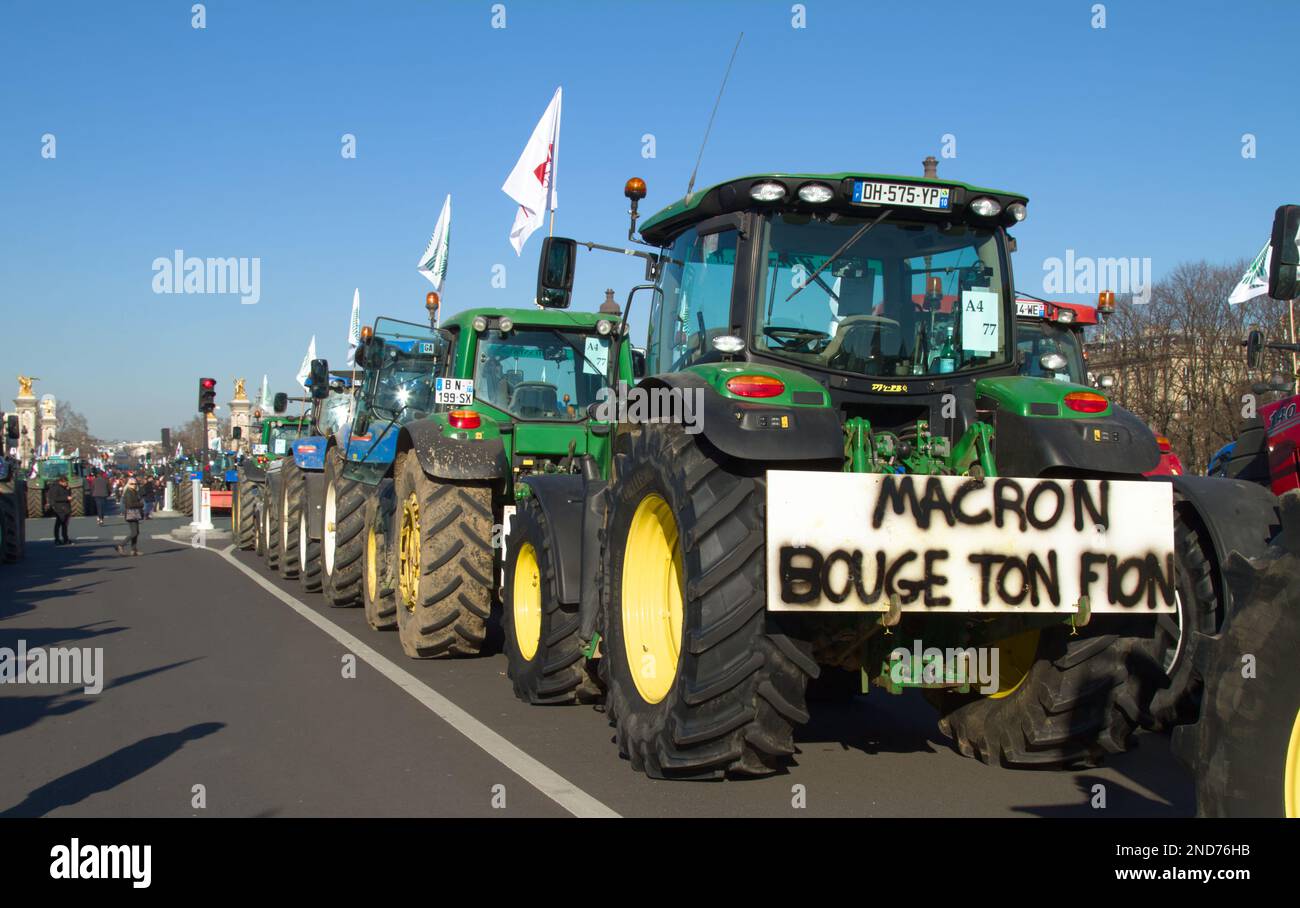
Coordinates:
[60,500]
[132,513]
[100,489]
[150,495]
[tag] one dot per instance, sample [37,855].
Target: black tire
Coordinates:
[11,531]
[738,689]
[379,584]
[1062,714]
[259,529]
[1249,457]
[293,484]
[310,573]
[271,508]
[554,670]
[443,531]
[35,501]
[1250,722]
[244,514]
[78,503]
[344,540]
[1161,688]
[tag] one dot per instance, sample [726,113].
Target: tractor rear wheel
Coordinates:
[1245,750]
[244,513]
[309,556]
[700,681]
[11,540]
[271,527]
[293,486]
[378,589]
[344,539]
[544,656]
[1055,706]
[443,531]
[35,501]
[78,503]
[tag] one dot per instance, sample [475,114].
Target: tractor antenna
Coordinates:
[690,187]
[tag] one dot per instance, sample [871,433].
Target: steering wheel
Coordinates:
[801,340]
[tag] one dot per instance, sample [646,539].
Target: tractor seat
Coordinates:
[534,399]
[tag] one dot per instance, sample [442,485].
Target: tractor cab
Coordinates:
[1049,338]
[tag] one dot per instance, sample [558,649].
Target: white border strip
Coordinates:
[543,778]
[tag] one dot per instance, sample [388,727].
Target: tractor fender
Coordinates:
[253,473]
[561,497]
[309,452]
[1237,516]
[755,431]
[314,506]
[453,458]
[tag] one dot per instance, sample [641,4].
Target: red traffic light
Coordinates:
[207,395]
[207,383]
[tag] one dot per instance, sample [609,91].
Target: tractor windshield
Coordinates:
[404,385]
[53,469]
[1037,337]
[281,436]
[903,298]
[541,373]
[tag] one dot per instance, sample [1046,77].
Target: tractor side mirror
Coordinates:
[555,272]
[1282,283]
[1254,345]
[280,402]
[1106,381]
[319,373]
[1053,362]
[638,363]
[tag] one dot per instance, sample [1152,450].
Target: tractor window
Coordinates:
[1037,337]
[541,373]
[904,298]
[696,303]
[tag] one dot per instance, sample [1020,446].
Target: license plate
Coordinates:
[1030,309]
[455,391]
[951,544]
[870,192]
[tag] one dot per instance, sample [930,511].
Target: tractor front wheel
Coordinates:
[378,589]
[344,539]
[699,683]
[443,531]
[309,556]
[244,514]
[293,486]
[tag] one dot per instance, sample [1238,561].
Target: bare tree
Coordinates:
[73,432]
[1178,359]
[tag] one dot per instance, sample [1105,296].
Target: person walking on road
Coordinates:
[132,513]
[150,494]
[60,498]
[100,489]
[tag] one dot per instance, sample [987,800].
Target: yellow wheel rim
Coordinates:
[526,601]
[1291,779]
[1016,657]
[372,562]
[652,598]
[409,551]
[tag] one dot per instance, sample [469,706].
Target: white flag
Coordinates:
[532,182]
[433,263]
[354,327]
[1255,281]
[265,401]
[304,371]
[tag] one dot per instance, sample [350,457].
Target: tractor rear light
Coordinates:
[1086,402]
[464,419]
[1165,446]
[755,386]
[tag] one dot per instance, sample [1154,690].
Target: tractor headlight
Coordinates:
[506,325]
[816,193]
[480,324]
[985,207]
[1017,210]
[603,327]
[767,192]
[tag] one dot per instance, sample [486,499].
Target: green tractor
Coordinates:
[48,470]
[275,436]
[512,394]
[868,490]
[13,497]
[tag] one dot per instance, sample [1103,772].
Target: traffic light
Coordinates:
[207,395]
[166,440]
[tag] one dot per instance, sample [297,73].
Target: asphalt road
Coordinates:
[225,682]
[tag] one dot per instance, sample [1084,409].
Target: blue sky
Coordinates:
[226,141]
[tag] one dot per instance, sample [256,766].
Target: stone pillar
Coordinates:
[241,418]
[25,407]
[49,423]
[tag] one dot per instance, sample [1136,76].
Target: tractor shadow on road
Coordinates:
[108,772]
[875,723]
[23,712]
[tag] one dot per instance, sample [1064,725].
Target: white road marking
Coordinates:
[543,778]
